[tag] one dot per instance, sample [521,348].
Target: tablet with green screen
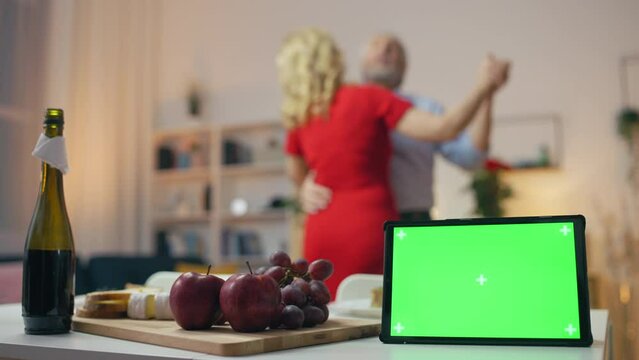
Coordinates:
[510,281]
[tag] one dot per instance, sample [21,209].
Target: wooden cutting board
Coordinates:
[222,340]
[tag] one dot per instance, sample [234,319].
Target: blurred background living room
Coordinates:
[175,139]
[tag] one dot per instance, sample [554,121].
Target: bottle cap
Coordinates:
[54,116]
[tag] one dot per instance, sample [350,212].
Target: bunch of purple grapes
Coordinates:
[304,294]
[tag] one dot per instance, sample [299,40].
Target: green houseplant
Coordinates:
[489,190]
[627,119]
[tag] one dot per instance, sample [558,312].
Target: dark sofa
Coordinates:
[107,272]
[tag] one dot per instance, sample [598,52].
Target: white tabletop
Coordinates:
[14,343]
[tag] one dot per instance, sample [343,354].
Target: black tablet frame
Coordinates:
[579,224]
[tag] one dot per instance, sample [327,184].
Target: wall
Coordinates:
[101,71]
[23,38]
[565,56]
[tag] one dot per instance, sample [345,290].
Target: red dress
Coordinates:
[350,153]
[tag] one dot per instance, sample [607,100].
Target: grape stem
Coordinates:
[208,270]
[284,280]
[249,266]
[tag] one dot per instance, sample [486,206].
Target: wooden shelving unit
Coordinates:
[253,169]
[275,215]
[167,220]
[196,173]
[179,195]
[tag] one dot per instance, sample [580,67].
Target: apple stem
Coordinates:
[208,270]
[249,266]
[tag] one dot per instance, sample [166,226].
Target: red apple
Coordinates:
[250,302]
[276,321]
[195,300]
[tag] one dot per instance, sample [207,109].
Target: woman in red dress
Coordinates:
[341,133]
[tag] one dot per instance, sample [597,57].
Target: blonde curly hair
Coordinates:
[310,70]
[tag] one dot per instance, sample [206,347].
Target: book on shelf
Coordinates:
[241,243]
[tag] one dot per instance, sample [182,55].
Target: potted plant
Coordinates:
[627,120]
[488,189]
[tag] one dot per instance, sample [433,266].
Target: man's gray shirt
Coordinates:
[413,160]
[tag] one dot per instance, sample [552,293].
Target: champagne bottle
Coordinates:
[48,278]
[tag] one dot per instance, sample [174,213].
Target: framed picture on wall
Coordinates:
[528,141]
[629,73]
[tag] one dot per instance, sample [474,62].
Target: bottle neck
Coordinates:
[53,130]
[51,178]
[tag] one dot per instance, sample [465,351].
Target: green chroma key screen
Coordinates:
[485,281]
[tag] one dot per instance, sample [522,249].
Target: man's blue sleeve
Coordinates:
[462,151]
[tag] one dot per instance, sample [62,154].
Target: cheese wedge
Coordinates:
[162,307]
[376,297]
[141,306]
[117,295]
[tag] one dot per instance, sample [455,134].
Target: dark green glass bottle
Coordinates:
[48,277]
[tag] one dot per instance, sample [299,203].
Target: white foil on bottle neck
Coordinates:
[53,151]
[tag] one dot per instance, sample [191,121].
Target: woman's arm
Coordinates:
[426,126]
[296,169]
[423,125]
[480,131]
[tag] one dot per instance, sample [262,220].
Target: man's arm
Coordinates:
[312,196]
